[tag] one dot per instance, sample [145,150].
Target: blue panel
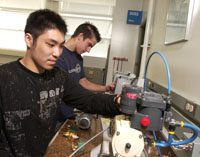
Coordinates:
[134,17]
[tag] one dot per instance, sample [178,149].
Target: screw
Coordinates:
[128,145]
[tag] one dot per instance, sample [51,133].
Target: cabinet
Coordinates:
[95,75]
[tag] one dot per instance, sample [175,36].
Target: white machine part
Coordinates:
[126,141]
[122,79]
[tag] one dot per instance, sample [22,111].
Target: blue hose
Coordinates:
[170,141]
[158,148]
[167,69]
[192,138]
[164,143]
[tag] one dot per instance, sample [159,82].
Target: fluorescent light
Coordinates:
[87,16]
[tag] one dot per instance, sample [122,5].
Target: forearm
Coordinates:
[103,104]
[87,101]
[92,86]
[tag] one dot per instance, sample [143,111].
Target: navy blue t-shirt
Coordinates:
[71,63]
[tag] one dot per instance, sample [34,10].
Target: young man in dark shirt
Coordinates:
[83,39]
[31,89]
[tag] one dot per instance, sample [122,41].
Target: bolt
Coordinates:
[128,146]
[140,136]
[118,133]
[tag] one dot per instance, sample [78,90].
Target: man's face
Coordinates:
[85,45]
[46,50]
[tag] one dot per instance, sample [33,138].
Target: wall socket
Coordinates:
[190,107]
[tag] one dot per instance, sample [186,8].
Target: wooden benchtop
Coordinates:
[61,145]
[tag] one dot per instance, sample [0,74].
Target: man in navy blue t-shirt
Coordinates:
[84,38]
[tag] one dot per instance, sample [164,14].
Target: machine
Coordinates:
[144,113]
[122,79]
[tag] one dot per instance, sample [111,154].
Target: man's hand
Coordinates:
[117,100]
[110,87]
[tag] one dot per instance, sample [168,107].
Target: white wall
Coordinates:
[124,36]
[23,4]
[183,57]
[12,22]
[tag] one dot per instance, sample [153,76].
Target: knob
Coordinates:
[128,146]
[145,121]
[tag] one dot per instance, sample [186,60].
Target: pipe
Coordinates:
[167,70]
[164,143]
[191,139]
[170,141]
[158,148]
[146,38]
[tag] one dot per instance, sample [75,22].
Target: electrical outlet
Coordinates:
[190,107]
[187,106]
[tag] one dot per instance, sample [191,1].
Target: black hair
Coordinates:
[88,30]
[42,20]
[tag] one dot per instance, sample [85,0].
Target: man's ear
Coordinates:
[80,37]
[28,39]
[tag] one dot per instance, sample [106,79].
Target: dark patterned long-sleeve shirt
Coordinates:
[28,107]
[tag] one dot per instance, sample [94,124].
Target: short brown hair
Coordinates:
[88,31]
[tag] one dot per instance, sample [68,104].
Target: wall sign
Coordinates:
[134,17]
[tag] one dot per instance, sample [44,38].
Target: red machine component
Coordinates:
[145,121]
[132,95]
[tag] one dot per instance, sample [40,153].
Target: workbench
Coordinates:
[61,146]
